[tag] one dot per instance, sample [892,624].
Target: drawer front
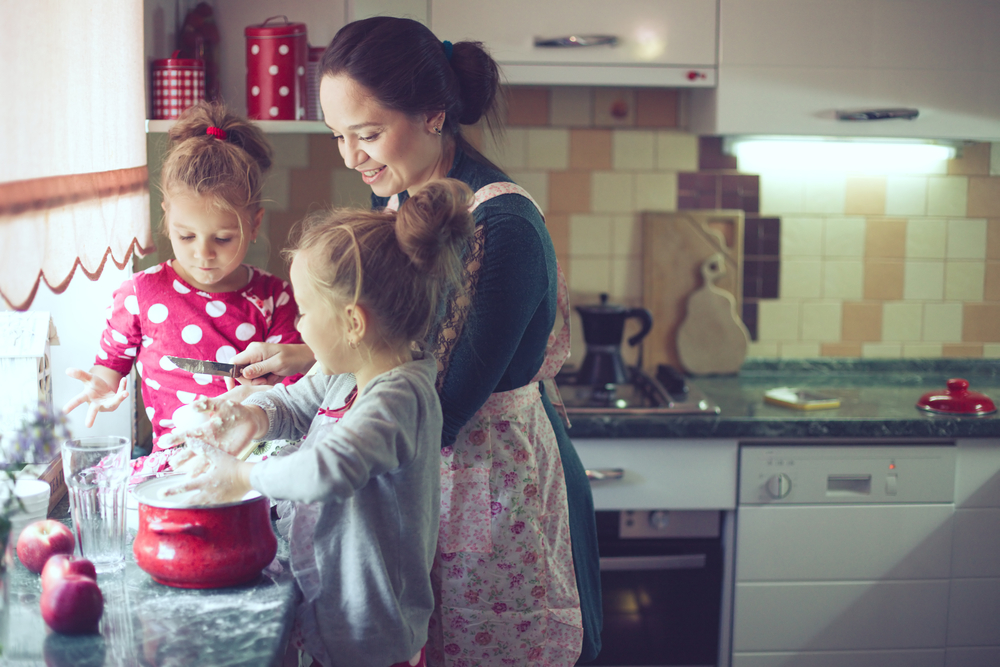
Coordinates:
[662,474]
[977,543]
[913,658]
[974,613]
[973,656]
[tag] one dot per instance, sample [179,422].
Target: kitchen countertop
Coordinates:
[146,623]
[878,400]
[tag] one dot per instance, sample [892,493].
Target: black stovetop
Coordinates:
[668,393]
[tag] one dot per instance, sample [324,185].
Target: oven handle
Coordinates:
[679,562]
[605,474]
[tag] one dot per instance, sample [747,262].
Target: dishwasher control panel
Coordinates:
[819,474]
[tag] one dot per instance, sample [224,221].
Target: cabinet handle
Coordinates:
[878,114]
[605,473]
[640,563]
[573,41]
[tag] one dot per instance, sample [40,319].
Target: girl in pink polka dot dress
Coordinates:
[205,304]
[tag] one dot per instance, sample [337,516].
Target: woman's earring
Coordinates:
[438,130]
[353,344]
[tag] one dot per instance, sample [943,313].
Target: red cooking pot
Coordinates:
[206,546]
[957,399]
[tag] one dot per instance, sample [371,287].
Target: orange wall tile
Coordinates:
[883,280]
[993,238]
[865,196]
[840,349]
[861,322]
[569,191]
[558,226]
[973,161]
[590,149]
[984,197]
[981,322]
[962,350]
[323,152]
[991,282]
[656,107]
[885,238]
[527,106]
[310,188]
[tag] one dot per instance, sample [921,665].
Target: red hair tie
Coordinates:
[216,132]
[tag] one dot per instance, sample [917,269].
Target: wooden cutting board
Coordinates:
[675,246]
[712,339]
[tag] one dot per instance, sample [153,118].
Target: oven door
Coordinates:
[662,594]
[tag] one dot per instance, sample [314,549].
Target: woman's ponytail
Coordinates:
[433,228]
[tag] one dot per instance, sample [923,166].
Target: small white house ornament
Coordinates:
[25,365]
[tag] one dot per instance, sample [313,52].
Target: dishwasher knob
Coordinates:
[659,519]
[778,486]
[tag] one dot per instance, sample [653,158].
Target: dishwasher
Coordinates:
[843,555]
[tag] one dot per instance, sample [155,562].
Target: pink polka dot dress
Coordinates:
[157,314]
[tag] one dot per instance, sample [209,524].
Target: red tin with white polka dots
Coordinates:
[178,83]
[277,53]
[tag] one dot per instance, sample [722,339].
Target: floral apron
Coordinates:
[503,578]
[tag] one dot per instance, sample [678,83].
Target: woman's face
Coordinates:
[394,152]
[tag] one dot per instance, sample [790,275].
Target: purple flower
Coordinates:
[516,580]
[498,608]
[517,528]
[510,479]
[523,626]
[483,638]
[452,649]
[495,508]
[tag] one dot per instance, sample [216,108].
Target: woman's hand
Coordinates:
[97,391]
[219,422]
[217,476]
[270,363]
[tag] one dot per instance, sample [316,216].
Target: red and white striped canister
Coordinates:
[178,83]
[276,70]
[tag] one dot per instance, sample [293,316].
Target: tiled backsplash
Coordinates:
[835,264]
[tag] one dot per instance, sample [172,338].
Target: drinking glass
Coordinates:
[97,471]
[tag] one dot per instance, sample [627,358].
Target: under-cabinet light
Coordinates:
[764,154]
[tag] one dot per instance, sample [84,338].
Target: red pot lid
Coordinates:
[957,400]
[280,27]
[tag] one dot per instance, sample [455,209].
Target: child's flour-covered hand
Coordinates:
[219,422]
[216,476]
[101,395]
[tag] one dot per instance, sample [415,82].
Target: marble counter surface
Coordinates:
[147,624]
[878,400]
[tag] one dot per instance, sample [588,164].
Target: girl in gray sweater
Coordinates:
[362,491]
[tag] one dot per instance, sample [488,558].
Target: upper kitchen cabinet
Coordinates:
[658,42]
[788,66]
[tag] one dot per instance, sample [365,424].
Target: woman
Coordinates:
[395,98]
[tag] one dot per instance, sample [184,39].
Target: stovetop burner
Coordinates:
[642,395]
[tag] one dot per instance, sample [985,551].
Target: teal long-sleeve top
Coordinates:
[502,346]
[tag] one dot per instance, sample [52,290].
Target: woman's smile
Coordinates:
[371,175]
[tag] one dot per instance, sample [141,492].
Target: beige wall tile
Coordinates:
[350,190]
[590,235]
[991,282]
[840,350]
[844,237]
[571,106]
[656,107]
[981,322]
[921,350]
[825,194]
[984,197]
[558,226]
[589,277]
[801,236]
[612,192]
[778,320]
[884,279]
[626,238]
[511,152]
[972,160]
[821,321]
[614,107]
[297,150]
[942,322]
[885,237]
[923,281]
[626,279]
[926,238]
[962,351]
[548,148]
[474,134]
[527,105]
[798,350]
[902,321]
[966,239]
[276,187]
[993,238]
[991,350]
[633,149]
[906,195]
[782,194]
[763,350]
[865,195]
[964,281]
[861,321]
[801,279]
[843,279]
[569,191]
[995,159]
[676,151]
[947,195]
[881,350]
[537,185]
[590,149]
[656,191]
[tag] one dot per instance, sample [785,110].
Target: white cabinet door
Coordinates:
[786,67]
[659,41]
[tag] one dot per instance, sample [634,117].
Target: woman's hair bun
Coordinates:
[434,225]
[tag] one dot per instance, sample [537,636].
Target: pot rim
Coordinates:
[150,486]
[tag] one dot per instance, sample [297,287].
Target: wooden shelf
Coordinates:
[268,126]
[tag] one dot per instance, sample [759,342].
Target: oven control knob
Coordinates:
[659,519]
[778,486]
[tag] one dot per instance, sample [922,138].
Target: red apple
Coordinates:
[59,566]
[73,606]
[42,539]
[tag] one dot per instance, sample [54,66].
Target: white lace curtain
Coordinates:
[74,188]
